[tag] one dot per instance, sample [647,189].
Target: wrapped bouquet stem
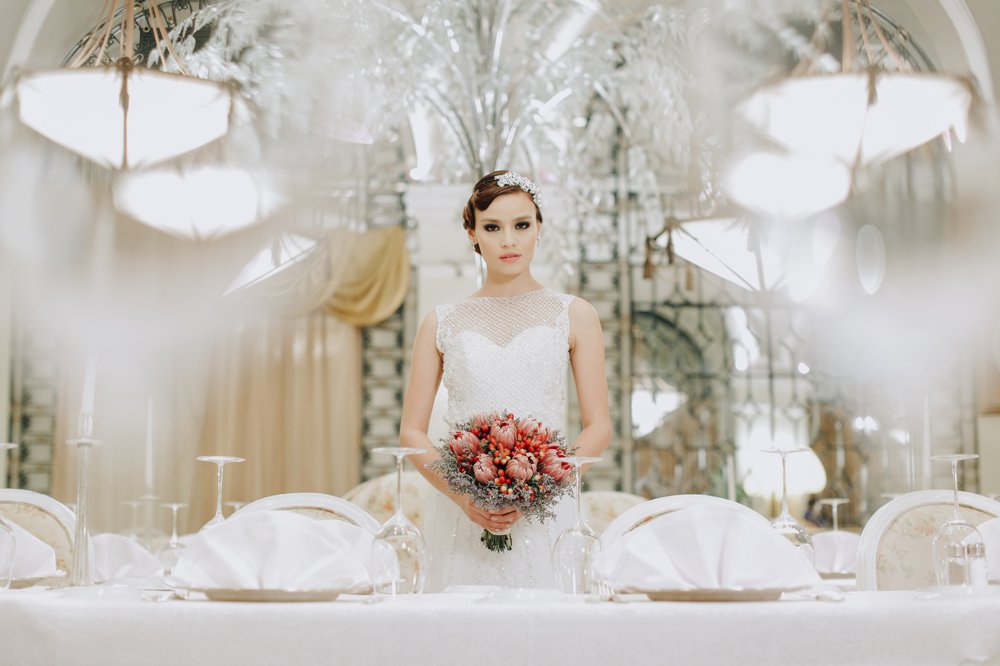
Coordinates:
[502,461]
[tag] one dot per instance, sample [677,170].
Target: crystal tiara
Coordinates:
[529,186]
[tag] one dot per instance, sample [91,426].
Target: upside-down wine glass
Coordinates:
[834,504]
[398,552]
[7,544]
[575,550]
[959,550]
[785,523]
[220,462]
[171,551]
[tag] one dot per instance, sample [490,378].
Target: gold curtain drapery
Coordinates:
[284,391]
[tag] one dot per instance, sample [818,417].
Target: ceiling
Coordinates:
[958,34]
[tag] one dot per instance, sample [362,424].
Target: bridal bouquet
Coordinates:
[502,461]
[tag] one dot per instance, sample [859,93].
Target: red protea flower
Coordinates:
[465,445]
[527,427]
[553,466]
[484,420]
[484,469]
[505,435]
[521,467]
[472,442]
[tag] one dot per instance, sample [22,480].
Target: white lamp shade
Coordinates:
[828,115]
[721,246]
[285,251]
[197,203]
[81,109]
[786,186]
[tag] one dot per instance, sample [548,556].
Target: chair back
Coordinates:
[601,507]
[895,549]
[647,511]
[315,505]
[47,519]
[378,496]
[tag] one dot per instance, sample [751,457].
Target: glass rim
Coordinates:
[221,459]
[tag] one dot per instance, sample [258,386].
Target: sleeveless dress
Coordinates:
[511,353]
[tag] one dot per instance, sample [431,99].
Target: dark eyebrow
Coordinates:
[522,218]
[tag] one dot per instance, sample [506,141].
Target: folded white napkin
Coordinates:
[991,537]
[33,558]
[705,547]
[836,552]
[117,557]
[277,550]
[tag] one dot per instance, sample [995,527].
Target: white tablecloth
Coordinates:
[111,628]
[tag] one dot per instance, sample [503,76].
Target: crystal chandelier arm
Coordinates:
[453,120]
[421,32]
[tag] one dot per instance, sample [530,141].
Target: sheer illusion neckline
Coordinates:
[515,296]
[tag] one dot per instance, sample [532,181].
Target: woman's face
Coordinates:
[507,233]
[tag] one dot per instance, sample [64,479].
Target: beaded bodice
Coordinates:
[507,352]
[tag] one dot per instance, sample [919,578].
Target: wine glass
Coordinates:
[133,524]
[398,554]
[220,462]
[785,523]
[834,503]
[7,543]
[575,550]
[171,550]
[959,550]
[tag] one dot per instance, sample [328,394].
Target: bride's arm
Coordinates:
[586,357]
[426,367]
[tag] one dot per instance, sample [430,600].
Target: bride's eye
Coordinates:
[490,227]
[523,225]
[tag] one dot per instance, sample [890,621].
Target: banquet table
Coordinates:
[114,626]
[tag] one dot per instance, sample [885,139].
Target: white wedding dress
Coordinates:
[500,353]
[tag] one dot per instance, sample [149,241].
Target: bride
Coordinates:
[508,346]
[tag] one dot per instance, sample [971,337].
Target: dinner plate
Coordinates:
[715,594]
[51,580]
[219,594]
[833,575]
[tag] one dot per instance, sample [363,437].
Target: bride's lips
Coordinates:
[509,258]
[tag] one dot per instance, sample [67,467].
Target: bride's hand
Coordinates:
[496,521]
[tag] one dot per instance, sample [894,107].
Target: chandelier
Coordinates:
[198,202]
[115,112]
[863,114]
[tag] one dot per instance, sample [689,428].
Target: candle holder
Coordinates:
[149,502]
[82,574]
[4,467]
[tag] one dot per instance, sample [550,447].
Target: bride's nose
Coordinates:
[507,240]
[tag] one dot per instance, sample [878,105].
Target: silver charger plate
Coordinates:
[219,594]
[716,594]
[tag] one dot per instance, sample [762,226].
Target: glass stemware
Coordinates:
[834,504]
[171,550]
[220,462]
[959,550]
[575,550]
[133,524]
[785,523]
[7,544]
[398,553]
